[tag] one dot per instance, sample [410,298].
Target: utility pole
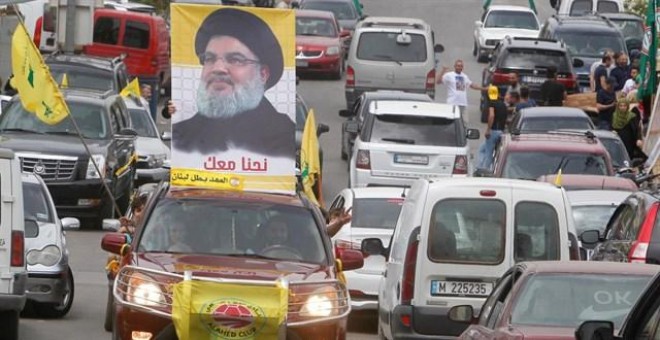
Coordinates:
[75,22]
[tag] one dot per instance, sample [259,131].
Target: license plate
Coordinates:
[533,80]
[411,159]
[301,63]
[461,288]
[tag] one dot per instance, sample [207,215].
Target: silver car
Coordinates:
[50,285]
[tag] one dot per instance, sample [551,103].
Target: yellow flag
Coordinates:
[210,310]
[310,165]
[558,178]
[65,82]
[133,88]
[37,89]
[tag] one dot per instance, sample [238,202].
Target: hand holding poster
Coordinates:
[235,84]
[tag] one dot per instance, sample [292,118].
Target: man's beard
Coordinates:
[242,98]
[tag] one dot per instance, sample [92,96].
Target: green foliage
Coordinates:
[162,6]
[636,6]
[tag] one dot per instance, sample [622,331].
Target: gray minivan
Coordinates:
[391,54]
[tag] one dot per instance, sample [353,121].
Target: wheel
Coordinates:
[474,49]
[50,310]
[9,322]
[109,311]
[344,154]
[480,57]
[337,75]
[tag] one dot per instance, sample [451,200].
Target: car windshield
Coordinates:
[532,165]
[377,213]
[549,123]
[35,203]
[89,118]
[568,300]
[315,27]
[590,44]
[341,10]
[592,217]
[617,152]
[142,123]
[416,130]
[535,59]
[82,78]
[233,228]
[383,46]
[630,28]
[512,19]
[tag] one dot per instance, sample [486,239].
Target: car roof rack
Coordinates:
[568,132]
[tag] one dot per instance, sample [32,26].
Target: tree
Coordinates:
[636,6]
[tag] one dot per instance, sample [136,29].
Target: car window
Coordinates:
[106,31]
[614,225]
[630,28]
[492,307]
[136,35]
[233,228]
[604,6]
[82,78]
[549,124]
[568,300]
[467,231]
[532,165]
[341,10]
[315,27]
[143,123]
[623,223]
[581,7]
[590,44]
[536,232]
[35,203]
[522,58]
[512,19]
[89,117]
[592,217]
[617,152]
[383,46]
[376,213]
[416,130]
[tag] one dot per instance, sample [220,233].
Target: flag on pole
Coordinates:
[558,178]
[133,88]
[650,45]
[38,91]
[310,164]
[65,82]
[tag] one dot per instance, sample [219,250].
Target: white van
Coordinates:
[39,18]
[584,7]
[454,238]
[13,271]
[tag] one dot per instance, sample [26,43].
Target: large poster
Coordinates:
[233,83]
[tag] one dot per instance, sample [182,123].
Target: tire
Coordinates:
[480,57]
[9,321]
[109,311]
[474,49]
[337,75]
[52,311]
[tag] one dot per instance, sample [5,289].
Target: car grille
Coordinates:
[50,168]
[492,42]
[310,54]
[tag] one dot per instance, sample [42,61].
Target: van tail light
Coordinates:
[363,160]
[640,246]
[568,80]
[500,77]
[409,264]
[430,81]
[37,31]
[350,77]
[460,165]
[17,249]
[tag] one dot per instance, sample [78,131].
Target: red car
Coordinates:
[549,300]
[320,44]
[252,239]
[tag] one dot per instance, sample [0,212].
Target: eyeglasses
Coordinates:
[230,60]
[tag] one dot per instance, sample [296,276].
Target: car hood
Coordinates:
[234,267]
[500,33]
[151,146]
[306,40]
[51,144]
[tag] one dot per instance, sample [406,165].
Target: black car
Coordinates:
[56,153]
[549,118]
[530,58]
[587,38]
[360,109]
[88,72]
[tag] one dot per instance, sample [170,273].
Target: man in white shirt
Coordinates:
[457,83]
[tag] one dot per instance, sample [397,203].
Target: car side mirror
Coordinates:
[345,113]
[115,243]
[483,173]
[352,127]
[438,48]
[31,228]
[372,246]
[351,259]
[111,224]
[590,237]
[472,134]
[344,33]
[166,136]
[577,62]
[321,129]
[595,330]
[462,314]
[478,23]
[70,223]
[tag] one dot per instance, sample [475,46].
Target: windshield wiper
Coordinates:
[399,140]
[67,133]
[387,57]
[21,130]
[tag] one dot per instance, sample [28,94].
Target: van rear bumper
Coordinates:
[15,300]
[426,323]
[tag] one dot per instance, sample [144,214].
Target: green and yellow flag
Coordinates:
[647,62]
[39,93]
[310,164]
[204,310]
[133,88]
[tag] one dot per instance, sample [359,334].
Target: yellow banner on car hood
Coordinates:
[212,310]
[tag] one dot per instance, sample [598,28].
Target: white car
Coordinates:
[374,214]
[501,21]
[401,141]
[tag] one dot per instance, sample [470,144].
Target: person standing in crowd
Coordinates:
[497,115]
[525,101]
[601,73]
[553,93]
[628,126]
[284,4]
[592,71]
[145,99]
[631,84]
[513,99]
[457,83]
[605,103]
[514,85]
[620,72]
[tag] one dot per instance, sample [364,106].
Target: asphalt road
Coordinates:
[452,21]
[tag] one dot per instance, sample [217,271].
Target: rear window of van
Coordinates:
[136,33]
[382,46]
[106,31]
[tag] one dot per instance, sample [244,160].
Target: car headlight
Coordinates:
[333,50]
[48,256]
[91,172]
[144,291]
[323,302]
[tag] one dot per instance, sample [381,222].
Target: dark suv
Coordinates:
[89,72]
[586,37]
[55,152]
[530,58]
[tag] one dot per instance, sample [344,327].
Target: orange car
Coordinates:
[255,241]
